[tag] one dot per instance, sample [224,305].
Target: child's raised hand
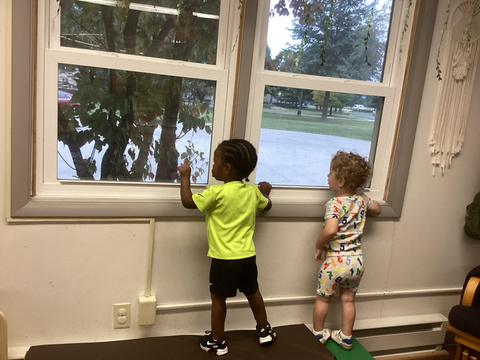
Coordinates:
[265,188]
[184,169]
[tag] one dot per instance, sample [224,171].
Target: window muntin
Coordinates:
[344,39]
[165,29]
[116,121]
[312,131]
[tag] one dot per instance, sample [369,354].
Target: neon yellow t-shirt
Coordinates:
[230,211]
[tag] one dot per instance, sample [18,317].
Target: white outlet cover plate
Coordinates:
[121,315]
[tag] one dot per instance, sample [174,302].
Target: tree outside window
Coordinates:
[129,124]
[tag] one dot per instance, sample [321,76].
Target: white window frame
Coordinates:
[47,191]
[308,201]
[28,198]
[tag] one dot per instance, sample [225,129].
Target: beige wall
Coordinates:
[59,281]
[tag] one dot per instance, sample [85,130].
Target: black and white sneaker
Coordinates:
[266,335]
[215,347]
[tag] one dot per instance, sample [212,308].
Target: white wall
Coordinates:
[59,281]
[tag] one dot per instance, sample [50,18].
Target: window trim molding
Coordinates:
[21,141]
[422,32]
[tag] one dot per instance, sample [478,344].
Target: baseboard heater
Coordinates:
[405,334]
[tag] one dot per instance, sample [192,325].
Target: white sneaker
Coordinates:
[323,337]
[346,344]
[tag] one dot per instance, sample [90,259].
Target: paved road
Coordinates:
[294,158]
[284,157]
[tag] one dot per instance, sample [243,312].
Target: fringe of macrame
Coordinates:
[448,130]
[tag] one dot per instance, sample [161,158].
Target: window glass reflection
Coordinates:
[170,29]
[128,126]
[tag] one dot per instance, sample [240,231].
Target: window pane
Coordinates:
[131,126]
[329,40]
[296,144]
[162,28]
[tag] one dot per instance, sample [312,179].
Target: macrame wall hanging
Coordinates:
[452,106]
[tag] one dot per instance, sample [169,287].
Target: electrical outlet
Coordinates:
[121,315]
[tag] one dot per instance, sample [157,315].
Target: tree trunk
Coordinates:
[167,162]
[113,161]
[80,166]
[168,155]
[325,105]
[300,101]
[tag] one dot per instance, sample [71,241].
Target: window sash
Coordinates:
[50,54]
[390,89]
[54,32]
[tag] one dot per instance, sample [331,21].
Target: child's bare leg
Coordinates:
[258,308]
[347,300]
[320,310]
[219,313]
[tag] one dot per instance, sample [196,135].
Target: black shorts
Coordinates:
[226,276]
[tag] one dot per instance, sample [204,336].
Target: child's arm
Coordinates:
[326,235]
[265,188]
[374,209]
[185,191]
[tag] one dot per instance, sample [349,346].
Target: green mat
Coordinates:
[358,352]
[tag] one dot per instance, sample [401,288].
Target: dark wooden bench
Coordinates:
[293,342]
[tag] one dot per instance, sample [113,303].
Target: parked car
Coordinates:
[64,99]
[358,107]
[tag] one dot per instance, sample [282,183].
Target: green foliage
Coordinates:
[121,110]
[437,61]
[405,27]
[289,97]
[336,100]
[444,28]
[91,165]
[325,35]
[344,39]
[367,36]
[312,13]
[196,159]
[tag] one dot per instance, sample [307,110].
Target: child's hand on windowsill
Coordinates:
[265,188]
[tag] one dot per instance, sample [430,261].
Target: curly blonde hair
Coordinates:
[355,169]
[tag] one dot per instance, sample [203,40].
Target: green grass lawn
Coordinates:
[344,125]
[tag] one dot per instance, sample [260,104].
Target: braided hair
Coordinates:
[240,154]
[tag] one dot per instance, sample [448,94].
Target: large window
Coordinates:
[332,80]
[126,125]
[125,90]
[339,40]
[128,90]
